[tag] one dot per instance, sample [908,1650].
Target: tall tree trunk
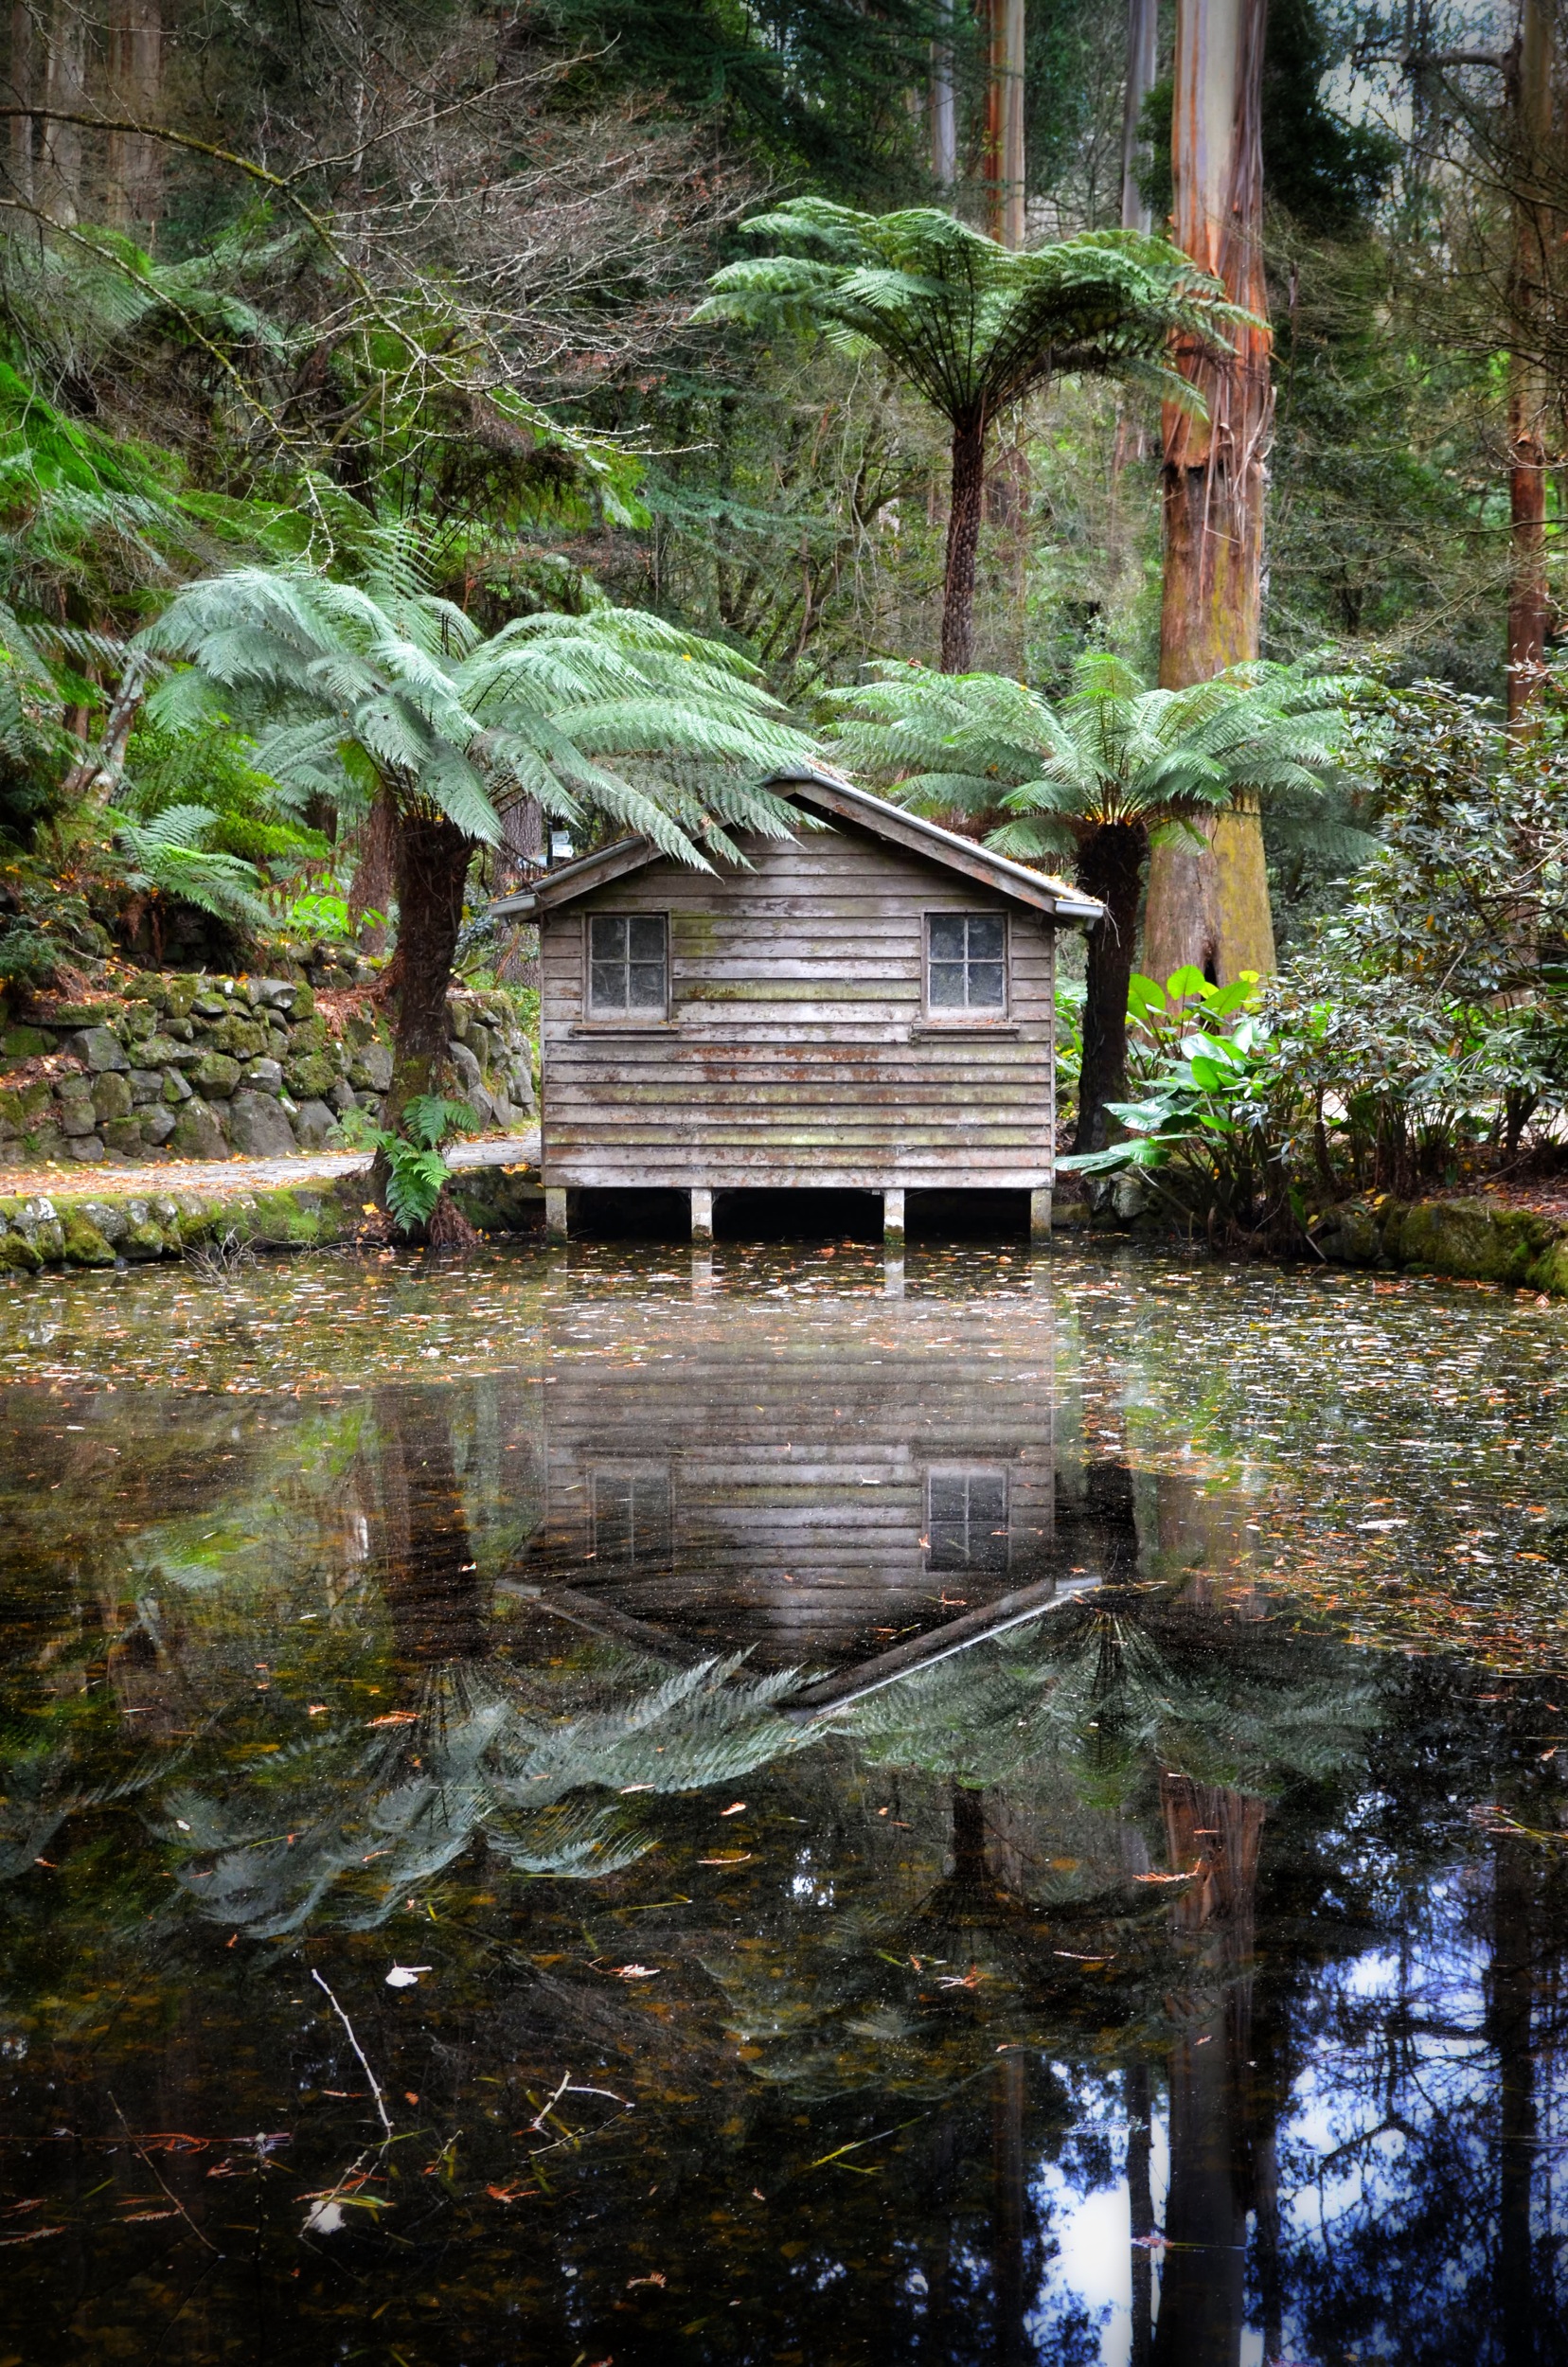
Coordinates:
[1509,2011]
[944,105]
[1143,31]
[136,76]
[24,87]
[65,90]
[1110,866]
[963,543]
[1004,162]
[432,865]
[1203,2288]
[423,1552]
[1529,604]
[1210,906]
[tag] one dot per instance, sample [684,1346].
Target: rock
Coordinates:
[124,1136]
[101,1048]
[145,1085]
[155,1050]
[1471,1239]
[1349,1234]
[81,1014]
[217,1074]
[197,1133]
[371,1069]
[84,1245]
[143,1240]
[309,1036]
[278,992]
[109,1217]
[180,995]
[208,1004]
[465,1064]
[157,1126]
[303,1004]
[76,1116]
[520,1086]
[18,1254]
[111,1094]
[458,1021]
[312,1077]
[139,1019]
[266,1076]
[258,1129]
[175,1088]
[24,1043]
[242,1037]
[343,1096]
[314,1126]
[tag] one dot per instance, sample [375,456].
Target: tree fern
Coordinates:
[972,326]
[1096,775]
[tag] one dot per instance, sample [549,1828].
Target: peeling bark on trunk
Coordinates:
[1004,183]
[432,860]
[1143,27]
[1110,866]
[963,545]
[1209,906]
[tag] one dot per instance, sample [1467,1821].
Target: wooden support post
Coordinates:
[702,1215]
[555,1213]
[893,1220]
[1040,1215]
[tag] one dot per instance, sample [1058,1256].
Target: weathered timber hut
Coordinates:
[868,1005]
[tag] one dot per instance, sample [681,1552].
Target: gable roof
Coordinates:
[826,794]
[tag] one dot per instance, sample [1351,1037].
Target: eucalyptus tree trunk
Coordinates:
[1110,866]
[1143,25]
[23,79]
[1209,906]
[1529,77]
[135,158]
[1004,162]
[944,104]
[963,542]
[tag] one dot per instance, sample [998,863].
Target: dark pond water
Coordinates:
[780,1810]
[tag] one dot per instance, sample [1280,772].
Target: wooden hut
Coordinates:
[867,1005]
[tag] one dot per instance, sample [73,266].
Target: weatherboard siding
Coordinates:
[797,1050]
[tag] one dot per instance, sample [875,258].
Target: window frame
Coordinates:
[627,1015]
[969,1473]
[627,1472]
[967,1015]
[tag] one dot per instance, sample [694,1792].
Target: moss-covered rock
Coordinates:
[84,1245]
[1472,1240]
[143,1242]
[1349,1234]
[18,1254]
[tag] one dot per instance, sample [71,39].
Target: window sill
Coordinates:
[623,1027]
[922,1027]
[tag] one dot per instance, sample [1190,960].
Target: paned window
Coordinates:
[631,1510]
[967,962]
[966,1523]
[627,964]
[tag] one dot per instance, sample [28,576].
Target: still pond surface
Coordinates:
[776,1809]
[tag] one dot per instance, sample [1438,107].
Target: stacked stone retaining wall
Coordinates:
[200,1067]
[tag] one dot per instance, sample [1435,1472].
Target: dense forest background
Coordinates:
[416,286]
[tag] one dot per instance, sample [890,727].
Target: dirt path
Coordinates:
[229,1178]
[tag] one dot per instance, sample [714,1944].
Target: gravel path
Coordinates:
[228,1179]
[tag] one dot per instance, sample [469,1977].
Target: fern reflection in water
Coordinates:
[342,1827]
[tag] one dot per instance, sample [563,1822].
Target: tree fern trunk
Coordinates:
[1110,866]
[963,543]
[432,860]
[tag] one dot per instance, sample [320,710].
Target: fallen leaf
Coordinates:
[734,1809]
[406,1976]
